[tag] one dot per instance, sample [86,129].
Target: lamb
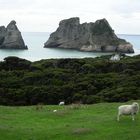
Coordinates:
[61,103]
[128,110]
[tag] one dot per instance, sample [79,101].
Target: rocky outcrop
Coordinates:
[97,37]
[2,34]
[10,37]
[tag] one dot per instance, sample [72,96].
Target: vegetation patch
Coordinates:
[86,81]
[96,122]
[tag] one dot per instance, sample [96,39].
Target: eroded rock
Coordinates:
[96,37]
[11,38]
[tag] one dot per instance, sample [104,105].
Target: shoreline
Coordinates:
[36,52]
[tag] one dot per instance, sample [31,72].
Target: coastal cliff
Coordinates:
[10,37]
[96,37]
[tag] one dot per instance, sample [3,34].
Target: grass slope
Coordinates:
[92,122]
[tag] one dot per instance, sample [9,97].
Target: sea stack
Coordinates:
[96,37]
[10,37]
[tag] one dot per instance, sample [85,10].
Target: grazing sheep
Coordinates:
[61,103]
[54,110]
[128,110]
[115,57]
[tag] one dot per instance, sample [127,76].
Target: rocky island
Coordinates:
[10,37]
[96,37]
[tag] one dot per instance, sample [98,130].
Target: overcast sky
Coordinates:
[44,15]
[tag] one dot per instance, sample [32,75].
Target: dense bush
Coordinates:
[88,80]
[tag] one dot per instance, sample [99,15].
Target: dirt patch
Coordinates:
[79,131]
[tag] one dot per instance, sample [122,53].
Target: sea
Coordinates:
[35,42]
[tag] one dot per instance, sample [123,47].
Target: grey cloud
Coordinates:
[126,7]
[50,12]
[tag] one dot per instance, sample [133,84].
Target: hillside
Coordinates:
[89,122]
[87,80]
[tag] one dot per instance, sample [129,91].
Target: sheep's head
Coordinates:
[135,106]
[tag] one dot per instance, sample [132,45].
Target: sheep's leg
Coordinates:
[118,117]
[133,117]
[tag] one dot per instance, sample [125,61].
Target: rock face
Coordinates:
[10,37]
[97,37]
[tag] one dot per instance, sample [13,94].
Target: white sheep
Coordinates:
[54,110]
[61,103]
[115,57]
[128,110]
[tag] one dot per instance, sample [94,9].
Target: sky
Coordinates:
[45,15]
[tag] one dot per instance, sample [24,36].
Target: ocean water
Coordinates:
[35,42]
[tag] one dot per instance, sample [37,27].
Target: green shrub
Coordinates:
[89,80]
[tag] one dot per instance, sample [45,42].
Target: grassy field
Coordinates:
[92,122]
